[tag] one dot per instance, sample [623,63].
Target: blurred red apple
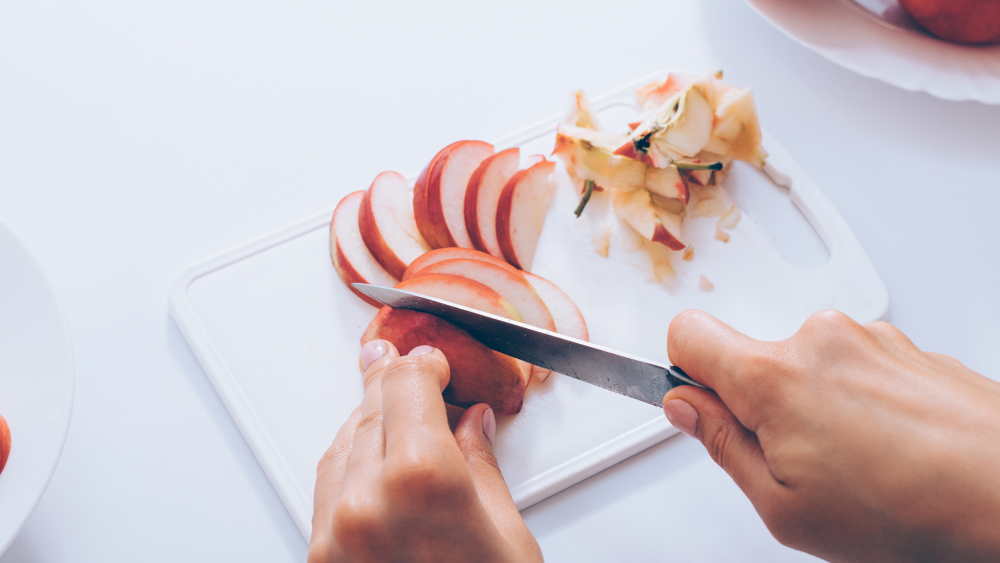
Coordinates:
[4,443]
[961,21]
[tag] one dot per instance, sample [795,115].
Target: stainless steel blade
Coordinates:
[628,375]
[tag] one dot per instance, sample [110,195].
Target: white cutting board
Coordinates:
[278,333]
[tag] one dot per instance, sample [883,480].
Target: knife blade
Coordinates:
[625,374]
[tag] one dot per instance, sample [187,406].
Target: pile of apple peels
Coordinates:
[467,234]
[691,128]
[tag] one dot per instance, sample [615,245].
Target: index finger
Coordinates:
[414,415]
[721,358]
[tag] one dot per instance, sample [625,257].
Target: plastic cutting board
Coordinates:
[278,333]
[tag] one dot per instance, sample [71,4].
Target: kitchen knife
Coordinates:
[628,375]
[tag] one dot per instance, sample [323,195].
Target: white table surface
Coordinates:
[139,137]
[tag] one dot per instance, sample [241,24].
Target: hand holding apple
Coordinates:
[398,485]
[851,443]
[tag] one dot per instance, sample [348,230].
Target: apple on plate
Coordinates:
[451,253]
[961,21]
[658,225]
[387,224]
[521,212]
[351,257]
[445,193]
[4,443]
[483,195]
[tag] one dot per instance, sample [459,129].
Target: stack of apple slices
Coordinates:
[691,128]
[469,237]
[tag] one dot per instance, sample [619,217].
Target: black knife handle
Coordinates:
[676,376]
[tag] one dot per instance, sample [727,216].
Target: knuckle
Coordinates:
[413,369]
[355,522]
[719,444]
[336,454]
[421,482]
[371,421]
[829,319]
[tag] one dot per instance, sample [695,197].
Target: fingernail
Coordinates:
[372,351]
[489,425]
[682,415]
[421,350]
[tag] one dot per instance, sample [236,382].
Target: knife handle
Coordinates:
[676,376]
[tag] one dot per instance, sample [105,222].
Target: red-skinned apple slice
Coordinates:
[521,213]
[420,215]
[446,185]
[636,208]
[478,374]
[351,258]
[567,317]
[387,225]
[451,253]
[482,196]
[511,285]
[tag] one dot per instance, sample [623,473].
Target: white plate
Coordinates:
[277,332]
[36,382]
[884,48]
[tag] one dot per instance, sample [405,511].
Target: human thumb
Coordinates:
[476,434]
[701,414]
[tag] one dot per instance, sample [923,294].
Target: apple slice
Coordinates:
[511,285]
[387,225]
[637,209]
[589,155]
[736,132]
[521,213]
[667,182]
[351,258]
[446,185]
[462,291]
[478,374]
[420,215]
[482,196]
[567,317]
[451,253]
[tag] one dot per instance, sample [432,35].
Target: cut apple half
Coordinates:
[351,258]
[420,214]
[452,253]
[387,225]
[470,293]
[446,185]
[657,225]
[511,285]
[521,213]
[483,195]
[478,374]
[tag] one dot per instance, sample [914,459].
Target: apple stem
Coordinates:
[588,189]
[697,165]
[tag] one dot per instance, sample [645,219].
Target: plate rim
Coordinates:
[69,375]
